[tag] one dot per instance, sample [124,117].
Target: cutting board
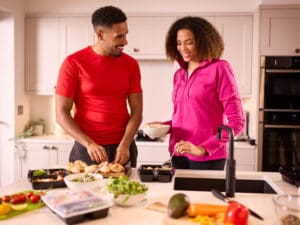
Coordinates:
[30,207]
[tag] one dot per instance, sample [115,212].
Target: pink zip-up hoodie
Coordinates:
[202,102]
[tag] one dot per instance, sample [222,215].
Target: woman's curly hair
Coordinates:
[209,43]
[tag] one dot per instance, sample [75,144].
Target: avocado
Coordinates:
[178,205]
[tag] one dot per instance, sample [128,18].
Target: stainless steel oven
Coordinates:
[279,113]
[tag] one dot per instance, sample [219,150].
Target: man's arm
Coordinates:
[63,106]
[136,110]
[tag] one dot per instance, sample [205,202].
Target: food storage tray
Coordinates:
[53,178]
[77,206]
[155,173]
[290,174]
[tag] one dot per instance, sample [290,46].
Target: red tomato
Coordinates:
[29,194]
[7,198]
[22,197]
[34,198]
[236,214]
[15,199]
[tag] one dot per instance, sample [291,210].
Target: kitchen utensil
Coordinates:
[221,196]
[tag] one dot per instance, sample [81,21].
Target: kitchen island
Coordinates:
[140,215]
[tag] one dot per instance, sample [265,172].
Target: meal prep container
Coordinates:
[49,179]
[77,206]
[158,173]
[290,174]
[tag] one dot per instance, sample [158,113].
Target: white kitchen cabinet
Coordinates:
[237,35]
[279,30]
[158,153]
[146,36]
[245,158]
[37,155]
[48,41]
[42,54]
[76,33]
[152,153]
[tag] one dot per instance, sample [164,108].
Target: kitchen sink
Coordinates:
[206,184]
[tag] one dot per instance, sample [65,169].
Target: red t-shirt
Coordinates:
[99,87]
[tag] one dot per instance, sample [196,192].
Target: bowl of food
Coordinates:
[155,130]
[287,208]
[84,181]
[127,192]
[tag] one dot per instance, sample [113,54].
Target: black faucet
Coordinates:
[230,163]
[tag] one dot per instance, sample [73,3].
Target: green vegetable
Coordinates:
[38,173]
[123,185]
[178,204]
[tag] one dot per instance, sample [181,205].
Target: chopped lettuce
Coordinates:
[123,185]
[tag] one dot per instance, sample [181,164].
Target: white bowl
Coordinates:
[156,130]
[130,199]
[87,185]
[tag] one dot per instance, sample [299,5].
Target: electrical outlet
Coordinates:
[20,110]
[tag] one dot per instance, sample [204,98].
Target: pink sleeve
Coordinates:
[230,99]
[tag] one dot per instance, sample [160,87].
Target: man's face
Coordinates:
[113,39]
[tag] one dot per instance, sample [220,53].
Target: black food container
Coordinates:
[290,174]
[49,178]
[155,173]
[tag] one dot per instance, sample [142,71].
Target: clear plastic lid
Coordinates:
[68,203]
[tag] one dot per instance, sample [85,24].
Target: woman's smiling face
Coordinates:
[186,45]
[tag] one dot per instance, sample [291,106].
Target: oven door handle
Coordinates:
[282,126]
[282,71]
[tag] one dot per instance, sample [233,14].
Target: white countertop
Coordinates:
[139,215]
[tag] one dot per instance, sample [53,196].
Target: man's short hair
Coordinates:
[108,16]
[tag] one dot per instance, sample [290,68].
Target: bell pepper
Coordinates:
[236,214]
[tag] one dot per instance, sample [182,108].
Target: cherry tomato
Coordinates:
[7,198]
[34,198]
[29,194]
[22,197]
[236,214]
[15,199]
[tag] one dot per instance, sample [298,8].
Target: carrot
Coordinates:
[198,209]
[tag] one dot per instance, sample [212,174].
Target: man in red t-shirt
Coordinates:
[99,80]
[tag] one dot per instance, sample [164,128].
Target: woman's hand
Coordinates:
[122,155]
[187,147]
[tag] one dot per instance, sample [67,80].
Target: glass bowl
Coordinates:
[287,209]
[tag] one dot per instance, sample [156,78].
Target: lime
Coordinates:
[19,207]
[4,209]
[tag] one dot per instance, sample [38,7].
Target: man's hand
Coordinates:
[122,155]
[187,147]
[97,152]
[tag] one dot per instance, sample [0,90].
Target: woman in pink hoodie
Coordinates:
[205,95]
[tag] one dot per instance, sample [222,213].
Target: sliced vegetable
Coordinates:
[198,209]
[236,214]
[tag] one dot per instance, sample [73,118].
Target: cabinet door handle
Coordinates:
[46,147]
[136,50]
[297,50]
[54,148]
